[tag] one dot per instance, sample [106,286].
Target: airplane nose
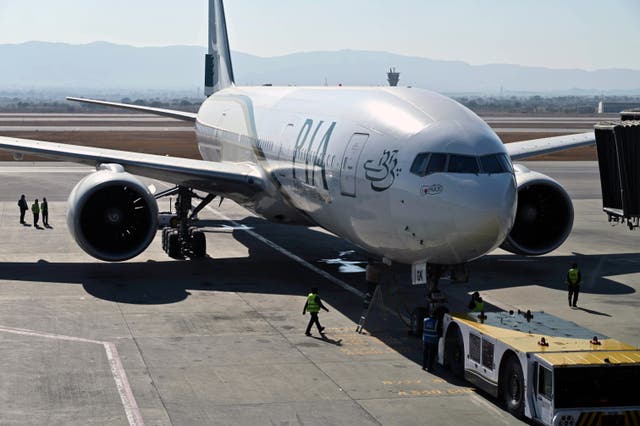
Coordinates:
[484,216]
[467,217]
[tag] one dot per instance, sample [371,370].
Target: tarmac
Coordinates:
[221,341]
[57,122]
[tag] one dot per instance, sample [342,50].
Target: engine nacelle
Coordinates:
[112,215]
[544,216]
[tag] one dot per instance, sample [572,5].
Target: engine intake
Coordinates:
[544,216]
[111,215]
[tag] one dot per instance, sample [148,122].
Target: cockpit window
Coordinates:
[462,164]
[506,162]
[428,163]
[436,163]
[492,164]
[419,165]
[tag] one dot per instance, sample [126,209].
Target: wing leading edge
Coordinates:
[534,147]
[234,181]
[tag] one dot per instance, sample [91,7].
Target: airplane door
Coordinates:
[350,160]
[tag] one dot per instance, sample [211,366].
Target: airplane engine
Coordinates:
[112,215]
[544,215]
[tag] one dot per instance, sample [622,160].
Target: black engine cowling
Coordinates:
[544,217]
[111,215]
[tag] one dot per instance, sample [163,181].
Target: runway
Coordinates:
[220,341]
[148,123]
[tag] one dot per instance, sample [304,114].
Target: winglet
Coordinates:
[218,68]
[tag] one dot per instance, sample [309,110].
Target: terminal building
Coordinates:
[615,107]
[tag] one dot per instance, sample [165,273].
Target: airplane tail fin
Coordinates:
[218,68]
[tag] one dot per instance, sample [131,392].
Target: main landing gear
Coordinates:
[182,239]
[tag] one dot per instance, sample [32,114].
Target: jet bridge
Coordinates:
[618,145]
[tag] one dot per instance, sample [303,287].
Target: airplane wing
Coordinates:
[180,115]
[234,181]
[531,148]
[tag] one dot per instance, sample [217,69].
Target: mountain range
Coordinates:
[107,66]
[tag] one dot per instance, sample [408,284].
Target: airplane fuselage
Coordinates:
[349,160]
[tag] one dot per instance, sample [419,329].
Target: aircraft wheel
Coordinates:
[198,244]
[454,352]
[165,237]
[417,321]
[173,245]
[513,387]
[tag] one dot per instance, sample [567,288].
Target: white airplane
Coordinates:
[408,175]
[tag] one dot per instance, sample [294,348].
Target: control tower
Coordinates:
[393,77]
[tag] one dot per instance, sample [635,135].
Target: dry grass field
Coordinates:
[183,144]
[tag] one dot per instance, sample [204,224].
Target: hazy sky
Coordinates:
[586,34]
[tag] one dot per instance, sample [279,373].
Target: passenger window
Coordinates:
[463,164]
[419,165]
[492,164]
[545,382]
[437,163]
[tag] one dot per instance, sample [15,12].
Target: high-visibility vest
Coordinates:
[312,303]
[430,331]
[35,208]
[573,275]
[479,307]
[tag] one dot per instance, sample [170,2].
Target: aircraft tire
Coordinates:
[173,245]
[198,244]
[417,321]
[165,237]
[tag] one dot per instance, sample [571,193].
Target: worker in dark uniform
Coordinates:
[35,209]
[313,306]
[431,333]
[22,204]
[476,304]
[574,278]
[44,208]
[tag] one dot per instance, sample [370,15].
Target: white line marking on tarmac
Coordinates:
[45,170]
[290,255]
[482,403]
[129,403]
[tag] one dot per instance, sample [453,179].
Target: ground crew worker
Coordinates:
[22,204]
[574,278]
[431,333]
[44,208]
[35,209]
[313,306]
[476,304]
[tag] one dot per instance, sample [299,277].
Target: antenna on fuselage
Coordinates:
[218,71]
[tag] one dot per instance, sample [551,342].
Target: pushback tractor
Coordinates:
[544,368]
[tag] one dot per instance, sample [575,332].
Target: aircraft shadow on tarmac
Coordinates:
[266,271]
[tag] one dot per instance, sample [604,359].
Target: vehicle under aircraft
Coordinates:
[408,175]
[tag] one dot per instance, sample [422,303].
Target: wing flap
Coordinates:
[235,181]
[180,115]
[534,147]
